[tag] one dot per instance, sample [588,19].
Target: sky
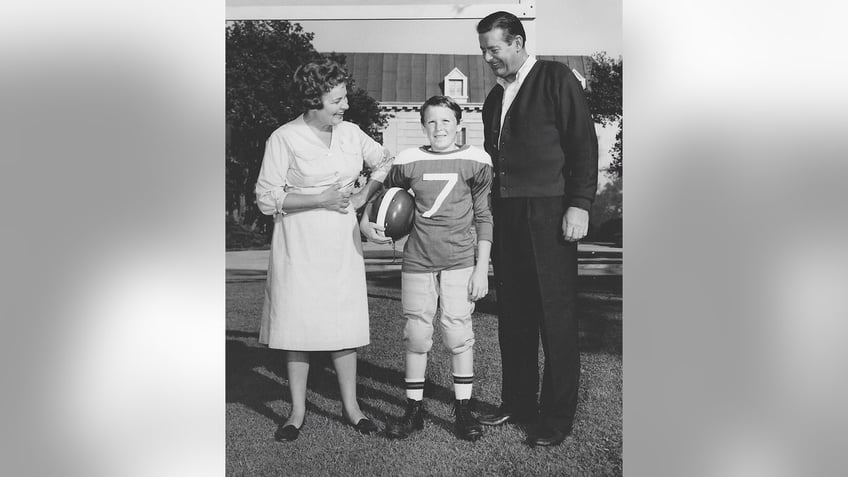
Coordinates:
[563,27]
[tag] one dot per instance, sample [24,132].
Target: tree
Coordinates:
[605,102]
[261,57]
[605,223]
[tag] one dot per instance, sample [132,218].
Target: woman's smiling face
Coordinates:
[334,106]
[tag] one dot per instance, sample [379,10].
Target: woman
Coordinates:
[315,296]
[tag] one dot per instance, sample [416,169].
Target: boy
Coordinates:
[451,185]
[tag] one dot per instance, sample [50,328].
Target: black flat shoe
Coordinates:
[366,427]
[288,432]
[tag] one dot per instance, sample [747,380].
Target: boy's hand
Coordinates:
[373,232]
[358,199]
[478,285]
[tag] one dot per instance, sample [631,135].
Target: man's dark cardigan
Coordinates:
[545,149]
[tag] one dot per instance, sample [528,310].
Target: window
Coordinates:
[460,137]
[456,86]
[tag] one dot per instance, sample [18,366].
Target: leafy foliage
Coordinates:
[605,223]
[261,57]
[605,102]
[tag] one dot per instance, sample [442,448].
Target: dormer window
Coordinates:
[456,86]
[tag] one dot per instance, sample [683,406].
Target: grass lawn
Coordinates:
[258,399]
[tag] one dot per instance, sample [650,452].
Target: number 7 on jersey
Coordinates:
[451,179]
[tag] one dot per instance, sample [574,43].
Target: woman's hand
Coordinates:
[373,232]
[478,285]
[332,198]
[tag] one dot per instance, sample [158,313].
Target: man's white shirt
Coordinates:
[511,89]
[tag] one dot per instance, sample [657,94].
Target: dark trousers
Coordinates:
[536,274]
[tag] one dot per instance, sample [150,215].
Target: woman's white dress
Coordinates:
[315,294]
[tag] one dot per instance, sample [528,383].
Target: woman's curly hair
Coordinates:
[315,79]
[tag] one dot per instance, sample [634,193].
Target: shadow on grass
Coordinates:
[256,376]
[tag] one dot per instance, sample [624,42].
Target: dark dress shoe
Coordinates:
[506,415]
[501,416]
[545,436]
[287,433]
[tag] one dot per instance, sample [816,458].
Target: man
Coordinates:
[541,138]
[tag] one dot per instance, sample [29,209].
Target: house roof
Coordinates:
[411,78]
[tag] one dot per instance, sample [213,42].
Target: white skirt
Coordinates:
[315,294]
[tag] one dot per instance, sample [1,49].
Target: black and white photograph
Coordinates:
[424,238]
[387,237]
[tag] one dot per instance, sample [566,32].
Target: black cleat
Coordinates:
[466,425]
[412,420]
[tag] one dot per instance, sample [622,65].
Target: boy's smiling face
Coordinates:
[440,125]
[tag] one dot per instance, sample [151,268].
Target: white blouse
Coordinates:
[296,160]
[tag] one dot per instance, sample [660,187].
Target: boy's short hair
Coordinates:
[445,101]
[509,23]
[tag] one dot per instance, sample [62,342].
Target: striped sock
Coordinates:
[462,386]
[415,389]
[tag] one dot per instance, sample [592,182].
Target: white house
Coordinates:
[401,82]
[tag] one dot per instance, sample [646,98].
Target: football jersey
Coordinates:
[451,191]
